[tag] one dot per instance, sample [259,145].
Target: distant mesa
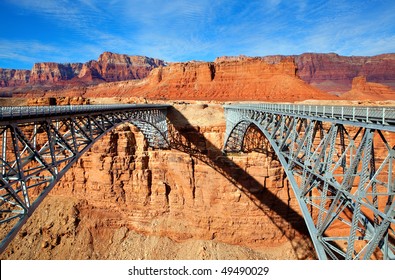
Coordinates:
[252,79]
[269,78]
[109,67]
[334,73]
[363,90]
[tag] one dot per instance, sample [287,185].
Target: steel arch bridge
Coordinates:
[340,165]
[39,144]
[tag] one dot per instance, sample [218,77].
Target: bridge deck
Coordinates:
[374,117]
[17,113]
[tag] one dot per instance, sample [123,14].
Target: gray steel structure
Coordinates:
[340,165]
[39,144]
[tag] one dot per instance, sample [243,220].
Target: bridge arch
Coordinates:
[333,171]
[40,145]
[236,139]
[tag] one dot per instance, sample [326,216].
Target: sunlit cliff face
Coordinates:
[269,78]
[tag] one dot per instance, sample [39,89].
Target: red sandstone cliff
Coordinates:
[51,72]
[13,78]
[120,67]
[250,79]
[246,79]
[327,72]
[363,90]
[334,73]
[108,68]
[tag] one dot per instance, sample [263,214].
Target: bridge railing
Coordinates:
[16,112]
[378,115]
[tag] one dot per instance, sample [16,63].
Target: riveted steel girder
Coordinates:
[340,164]
[39,144]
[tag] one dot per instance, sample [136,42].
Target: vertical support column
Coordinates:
[366,145]
[327,162]
[21,174]
[51,145]
[4,151]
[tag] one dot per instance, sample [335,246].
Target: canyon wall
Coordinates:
[363,90]
[328,72]
[123,200]
[249,79]
[109,67]
[334,73]
[14,78]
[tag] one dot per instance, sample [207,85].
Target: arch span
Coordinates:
[342,176]
[40,144]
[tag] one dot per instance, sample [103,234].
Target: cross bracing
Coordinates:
[340,164]
[39,144]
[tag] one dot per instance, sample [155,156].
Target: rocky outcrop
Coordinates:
[51,73]
[258,79]
[328,72]
[121,67]
[334,73]
[108,68]
[252,79]
[13,78]
[363,90]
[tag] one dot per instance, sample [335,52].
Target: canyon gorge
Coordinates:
[123,200]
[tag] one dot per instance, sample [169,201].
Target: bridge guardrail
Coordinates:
[380,115]
[16,112]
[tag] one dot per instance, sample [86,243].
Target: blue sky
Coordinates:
[80,30]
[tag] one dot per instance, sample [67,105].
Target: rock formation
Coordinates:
[121,67]
[334,73]
[363,90]
[253,79]
[52,73]
[123,200]
[328,72]
[108,68]
[13,78]
[245,79]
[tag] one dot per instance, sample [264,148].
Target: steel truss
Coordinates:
[39,144]
[341,169]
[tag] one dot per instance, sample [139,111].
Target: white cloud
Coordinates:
[29,52]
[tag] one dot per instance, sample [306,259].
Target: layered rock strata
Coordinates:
[328,72]
[109,67]
[363,90]
[334,73]
[252,79]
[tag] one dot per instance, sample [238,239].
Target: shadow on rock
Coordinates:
[186,138]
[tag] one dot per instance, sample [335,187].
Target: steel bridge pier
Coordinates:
[340,164]
[39,144]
